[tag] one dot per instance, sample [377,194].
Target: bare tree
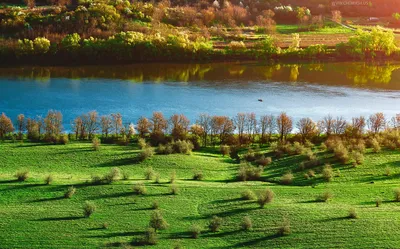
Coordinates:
[240,123]
[284,124]
[205,122]
[21,125]
[268,127]
[307,128]
[91,124]
[6,125]
[116,123]
[251,125]
[358,125]
[79,128]
[53,123]
[395,122]
[376,122]
[339,126]
[106,125]
[327,125]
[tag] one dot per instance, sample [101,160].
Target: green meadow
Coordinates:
[36,215]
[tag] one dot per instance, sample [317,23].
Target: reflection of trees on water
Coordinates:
[361,74]
[213,74]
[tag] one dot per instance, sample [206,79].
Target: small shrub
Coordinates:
[112,176]
[104,225]
[22,175]
[63,139]
[155,205]
[397,194]
[387,171]
[157,221]
[125,175]
[287,179]
[327,173]
[376,147]
[88,209]
[96,143]
[215,224]
[358,157]
[195,231]
[298,148]
[174,190]
[325,197]
[70,192]
[341,153]
[139,189]
[97,179]
[264,161]
[198,176]
[266,196]
[149,173]
[249,172]
[48,180]
[145,154]
[284,228]
[246,223]
[157,178]
[225,150]
[352,214]
[311,173]
[173,177]
[378,201]
[248,195]
[150,237]
[142,143]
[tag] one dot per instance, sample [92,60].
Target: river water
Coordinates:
[302,90]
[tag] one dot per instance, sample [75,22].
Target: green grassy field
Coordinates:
[35,215]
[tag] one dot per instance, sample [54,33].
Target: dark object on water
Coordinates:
[260,100]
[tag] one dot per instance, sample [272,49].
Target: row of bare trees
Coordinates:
[207,128]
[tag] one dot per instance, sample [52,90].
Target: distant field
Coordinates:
[34,215]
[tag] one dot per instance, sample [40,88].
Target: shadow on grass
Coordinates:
[61,218]
[226,200]
[8,181]
[116,195]
[219,234]
[335,219]
[119,162]
[48,199]
[255,242]
[112,235]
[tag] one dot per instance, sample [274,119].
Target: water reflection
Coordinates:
[364,75]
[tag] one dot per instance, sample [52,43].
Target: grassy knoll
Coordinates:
[35,215]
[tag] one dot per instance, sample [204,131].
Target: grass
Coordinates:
[36,215]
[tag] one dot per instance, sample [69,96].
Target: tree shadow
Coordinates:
[255,242]
[8,181]
[335,219]
[220,234]
[61,218]
[116,195]
[120,162]
[226,200]
[48,199]
[112,235]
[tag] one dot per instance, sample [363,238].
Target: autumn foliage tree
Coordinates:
[284,125]
[53,124]
[159,126]
[6,125]
[21,125]
[106,124]
[143,126]
[376,122]
[307,128]
[180,125]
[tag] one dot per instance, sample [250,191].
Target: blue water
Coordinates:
[73,97]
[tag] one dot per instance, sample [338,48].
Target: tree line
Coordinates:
[244,128]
